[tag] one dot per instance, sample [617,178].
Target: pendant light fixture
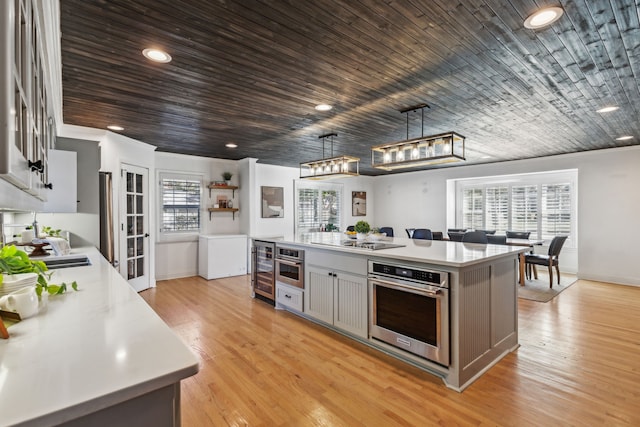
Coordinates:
[331,167]
[423,151]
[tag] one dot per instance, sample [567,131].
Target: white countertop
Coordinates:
[223,236]
[87,350]
[440,252]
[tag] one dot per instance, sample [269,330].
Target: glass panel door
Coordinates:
[134,227]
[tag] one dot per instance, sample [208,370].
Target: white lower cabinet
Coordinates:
[338,298]
[289,297]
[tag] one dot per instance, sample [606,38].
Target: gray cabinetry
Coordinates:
[350,303]
[482,299]
[335,296]
[319,289]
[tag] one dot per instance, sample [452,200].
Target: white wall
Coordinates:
[360,183]
[278,176]
[274,176]
[177,256]
[608,206]
[608,202]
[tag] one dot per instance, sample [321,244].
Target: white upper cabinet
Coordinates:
[63,176]
[26,129]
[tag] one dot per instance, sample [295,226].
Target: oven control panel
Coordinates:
[436,278]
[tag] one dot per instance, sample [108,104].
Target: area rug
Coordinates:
[538,290]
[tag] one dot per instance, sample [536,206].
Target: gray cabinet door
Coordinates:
[318,299]
[350,303]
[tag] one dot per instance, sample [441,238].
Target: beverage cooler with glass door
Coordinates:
[262,271]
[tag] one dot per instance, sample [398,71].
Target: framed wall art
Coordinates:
[272,202]
[358,203]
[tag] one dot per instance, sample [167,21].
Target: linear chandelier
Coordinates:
[331,167]
[424,151]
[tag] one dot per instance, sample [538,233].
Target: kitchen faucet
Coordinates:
[35,226]
[1,230]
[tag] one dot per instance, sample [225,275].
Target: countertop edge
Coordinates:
[182,364]
[393,253]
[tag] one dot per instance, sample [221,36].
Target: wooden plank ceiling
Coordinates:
[251,72]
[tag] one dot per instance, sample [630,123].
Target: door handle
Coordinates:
[146,234]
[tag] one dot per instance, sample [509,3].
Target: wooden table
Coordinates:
[524,242]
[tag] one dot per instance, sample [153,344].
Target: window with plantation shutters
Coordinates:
[556,210]
[524,208]
[473,208]
[541,203]
[319,205]
[180,198]
[308,200]
[497,209]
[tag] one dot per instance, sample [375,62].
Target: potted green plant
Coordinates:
[362,228]
[227,177]
[15,261]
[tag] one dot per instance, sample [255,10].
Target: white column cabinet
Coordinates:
[338,298]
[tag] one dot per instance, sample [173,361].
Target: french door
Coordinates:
[134,226]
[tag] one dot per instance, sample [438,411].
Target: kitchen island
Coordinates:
[479,307]
[98,356]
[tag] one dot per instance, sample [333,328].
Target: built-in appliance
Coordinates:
[409,309]
[374,246]
[290,266]
[362,244]
[262,270]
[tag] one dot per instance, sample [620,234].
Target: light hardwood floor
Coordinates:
[578,364]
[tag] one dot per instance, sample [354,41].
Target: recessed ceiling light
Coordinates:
[157,55]
[115,128]
[543,17]
[624,138]
[231,145]
[323,107]
[607,109]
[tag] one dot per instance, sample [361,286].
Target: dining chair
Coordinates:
[475,237]
[455,236]
[437,235]
[422,233]
[518,234]
[456,230]
[550,260]
[387,230]
[487,232]
[497,240]
[410,232]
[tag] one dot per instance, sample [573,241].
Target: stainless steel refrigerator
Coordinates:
[106,216]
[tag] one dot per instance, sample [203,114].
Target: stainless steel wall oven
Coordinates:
[409,309]
[290,266]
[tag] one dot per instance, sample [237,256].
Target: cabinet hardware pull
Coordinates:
[36,166]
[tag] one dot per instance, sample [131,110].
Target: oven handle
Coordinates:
[291,263]
[401,287]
